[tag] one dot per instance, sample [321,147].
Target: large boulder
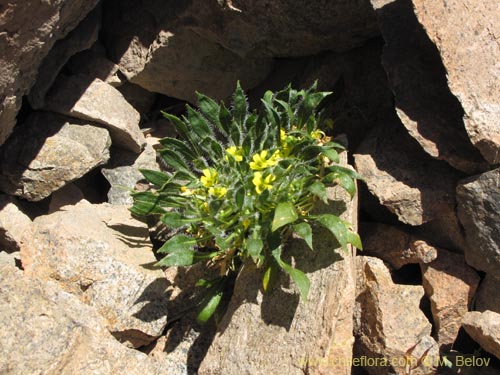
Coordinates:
[409,182]
[29,30]
[488,294]
[450,284]
[484,328]
[424,103]
[13,223]
[275,332]
[47,152]
[45,330]
[93,100]
[466,34]
[389,324]
[479,211]
[103,256]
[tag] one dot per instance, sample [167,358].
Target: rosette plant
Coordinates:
[239,183]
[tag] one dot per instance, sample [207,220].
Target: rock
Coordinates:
[94,100]
[410,183]
[48,152]
[142,100]
[303,335]
[102,255]
[94,63]
[125,176]
[13,223]
[479,211]
[424,103]
[389,323]
[81,38]
[46,330]
[11,259]
[29,30]
[68,195]
[395,246]
[450,285]
[466,34]
[484,328]
[488,294]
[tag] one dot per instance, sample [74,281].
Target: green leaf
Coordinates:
[177,258]
[199,124]
[297,276]
[178,243]
[240,105]
[270,276]
[319,190]
[304,231]
[254,247]
[354,239]
[336,226]
[343,170]
[175,161]
[347,182]
[309,104]
[284,214]
[210,109]
[179,146]
[226,120]
[210,306]
[331,154]
[155,177]
[177,220]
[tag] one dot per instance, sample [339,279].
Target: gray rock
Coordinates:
[484,328]
[479,211]
[124,177]
[409,182]
[277,333]
[450,285]
[424,103]
[29,30]
[48,152]
[395,246]
[45,330]
[389,323]
[94,100]
[11,259]
[94,63]
[102,255]
[470,51]
[79,39]
[488,294]
[13,223]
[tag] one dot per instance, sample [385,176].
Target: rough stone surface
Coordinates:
[94,100]
[69,194]
[49,151]
[29,30]
[277,333]
[123,172]
[45,330]
[484,328]
[142,100]
[81,38]
[389,323]
[450,285]
[479,211]
[94,63]
[13,223]
[102,255]
[467,35]
[488,294]
[394,246]
[424,103]
[11,259]
[410,183]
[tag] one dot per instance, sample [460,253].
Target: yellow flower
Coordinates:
[209,177]
[262,183]
[317,134]
[260,160]
[186,191]
[235,152]
[219,192]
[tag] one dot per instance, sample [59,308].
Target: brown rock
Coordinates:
[410,183]
[488,294]
[29,30]
[479,212]
[47,331]
[94,100]
[68,195]
[450,285]
[102,255]
[277,333]
[49,151]
[424,103]
[394,245]
[13,224]
[466,33]
[81,38]
[484,328]
[389,323]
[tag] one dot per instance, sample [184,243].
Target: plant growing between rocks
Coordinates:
[240,183]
